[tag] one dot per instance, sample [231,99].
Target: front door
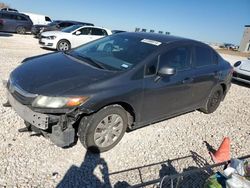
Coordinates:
[83,37]
[170,94]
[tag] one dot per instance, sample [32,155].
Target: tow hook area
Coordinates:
[63,133]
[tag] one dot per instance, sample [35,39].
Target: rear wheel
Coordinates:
[63,45]
[21,30]
[103,130]
[213,100]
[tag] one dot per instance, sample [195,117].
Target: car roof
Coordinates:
[76,22]
[16,13]
[157,37]
[92,26]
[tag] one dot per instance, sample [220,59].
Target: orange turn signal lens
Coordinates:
[76,101]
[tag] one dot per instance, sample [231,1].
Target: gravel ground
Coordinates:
[31,161]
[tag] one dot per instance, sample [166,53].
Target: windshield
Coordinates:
[70,28]
[117,52]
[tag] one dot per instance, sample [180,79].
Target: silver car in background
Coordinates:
[242,71]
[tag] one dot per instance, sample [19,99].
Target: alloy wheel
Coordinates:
[63,46]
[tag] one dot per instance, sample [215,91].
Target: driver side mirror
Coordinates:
[164,71]
[77,32]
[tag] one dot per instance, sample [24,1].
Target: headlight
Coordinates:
[58,102]
[51,37]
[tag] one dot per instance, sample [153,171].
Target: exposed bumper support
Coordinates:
[59,128]
[37,119]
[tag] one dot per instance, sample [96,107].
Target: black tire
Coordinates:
[213,100]
[20,30]
[89,125]
[63,45]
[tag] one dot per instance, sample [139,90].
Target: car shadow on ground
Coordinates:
[49,49]
[241,83]
[5,34]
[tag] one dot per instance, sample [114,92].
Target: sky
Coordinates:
[205,20]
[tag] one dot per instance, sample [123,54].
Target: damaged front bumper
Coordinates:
[59,128]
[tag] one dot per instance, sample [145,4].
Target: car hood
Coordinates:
[54,33]
[55,74]
[245,65]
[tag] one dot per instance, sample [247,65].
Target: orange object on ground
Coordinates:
[223,153]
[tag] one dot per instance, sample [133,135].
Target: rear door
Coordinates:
[170,94]
[9,22]
[23,21]
[82,38]
[206,74]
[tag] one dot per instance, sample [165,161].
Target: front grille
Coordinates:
[40,42]
[242,76]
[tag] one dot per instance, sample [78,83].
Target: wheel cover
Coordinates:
[108,130]
[63,46]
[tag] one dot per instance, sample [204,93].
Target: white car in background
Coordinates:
[242,71]
[38,19]
[72,36]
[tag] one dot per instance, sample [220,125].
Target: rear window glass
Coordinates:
[203,56]
[96,31]
[7,16]
[21,18]
[215,58]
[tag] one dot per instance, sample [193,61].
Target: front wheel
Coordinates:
[103,130]
[213,100]
[63,45]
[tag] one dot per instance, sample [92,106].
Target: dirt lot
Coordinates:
[31,161]
[235,53]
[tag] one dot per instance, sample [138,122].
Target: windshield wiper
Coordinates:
[91,61]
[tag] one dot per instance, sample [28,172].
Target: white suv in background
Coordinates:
[72,36]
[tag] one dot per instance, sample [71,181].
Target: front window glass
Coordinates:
[116,52]
[47,19]
[70,28]
[178,58]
